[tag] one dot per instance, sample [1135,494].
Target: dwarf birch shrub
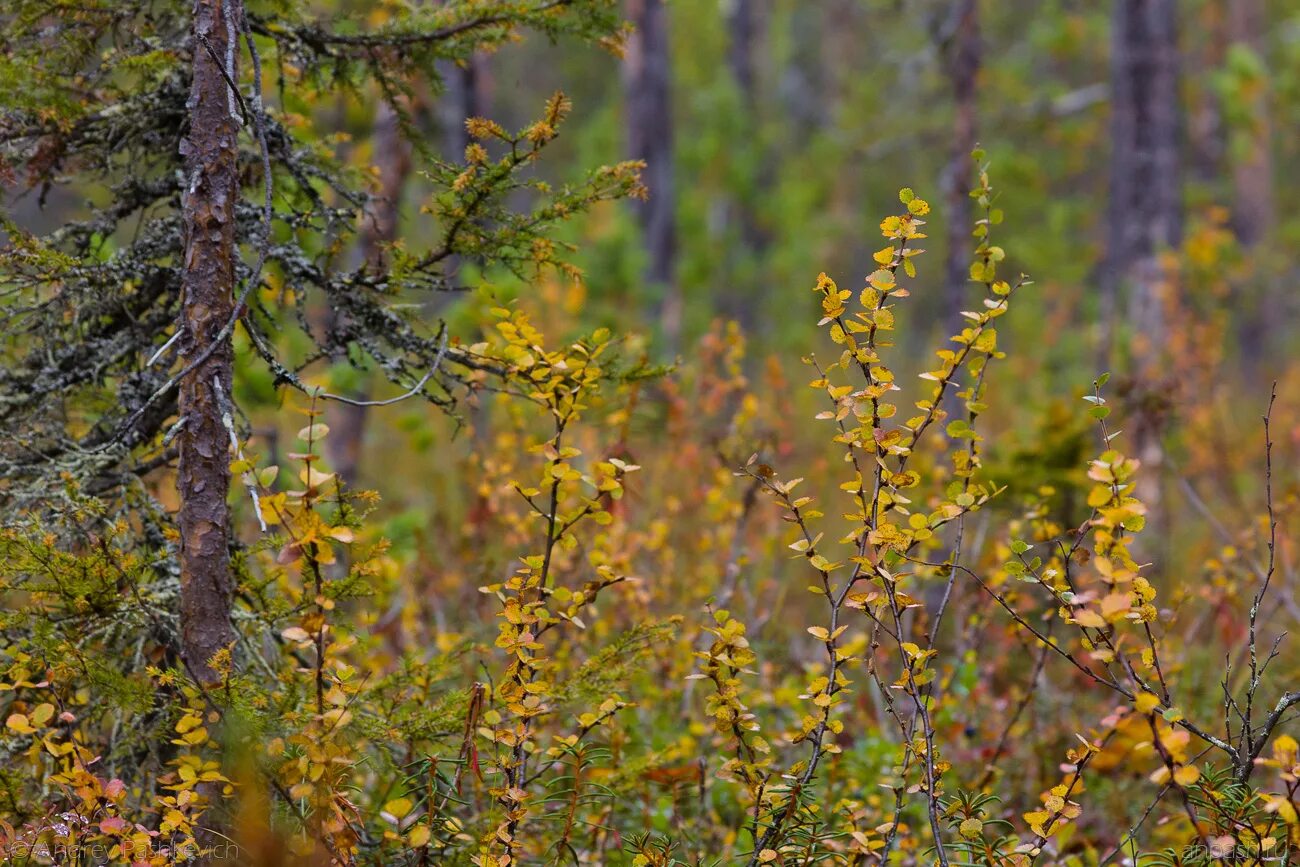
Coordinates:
[693,617]
[1078,598]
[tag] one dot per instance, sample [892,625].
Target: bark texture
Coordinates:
[211,193]
[647,82]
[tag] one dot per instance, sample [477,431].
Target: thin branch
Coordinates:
[412,392]
[1248,745]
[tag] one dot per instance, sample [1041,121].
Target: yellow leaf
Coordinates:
[1036,819]
[1146,702]
[313,432]
[17,722]
[398,807]
[42,713]
[188,723]
[1090,618]
[1115,605]
[314,478]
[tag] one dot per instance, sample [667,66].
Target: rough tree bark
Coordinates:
[1146,202]
[208,301]
[648,119]
[960,47]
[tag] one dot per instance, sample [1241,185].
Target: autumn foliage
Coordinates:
[627,611]
[612,690]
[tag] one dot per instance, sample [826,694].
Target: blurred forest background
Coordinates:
[775,133]
[1140,153]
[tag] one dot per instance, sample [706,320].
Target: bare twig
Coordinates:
[412,392]
[1249,748]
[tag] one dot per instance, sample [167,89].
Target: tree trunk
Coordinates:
[1263,301]
[1145,214]
[744,298]
[391,156]
[1252,167]
[208,303]
[806,81]
[742,26]
[466,97]
[650,138]
[1146,208]
[960,45]
[1205,127]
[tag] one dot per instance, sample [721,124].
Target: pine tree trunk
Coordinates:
[742,27]
[1252,170]
[1254,211]
[961,52]
[1145,215]
[466,97]
[1146,204]
[207,285]
[744,297]
[391,156]
[469,94]
[1205,126]
[650,138]
[806,82]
